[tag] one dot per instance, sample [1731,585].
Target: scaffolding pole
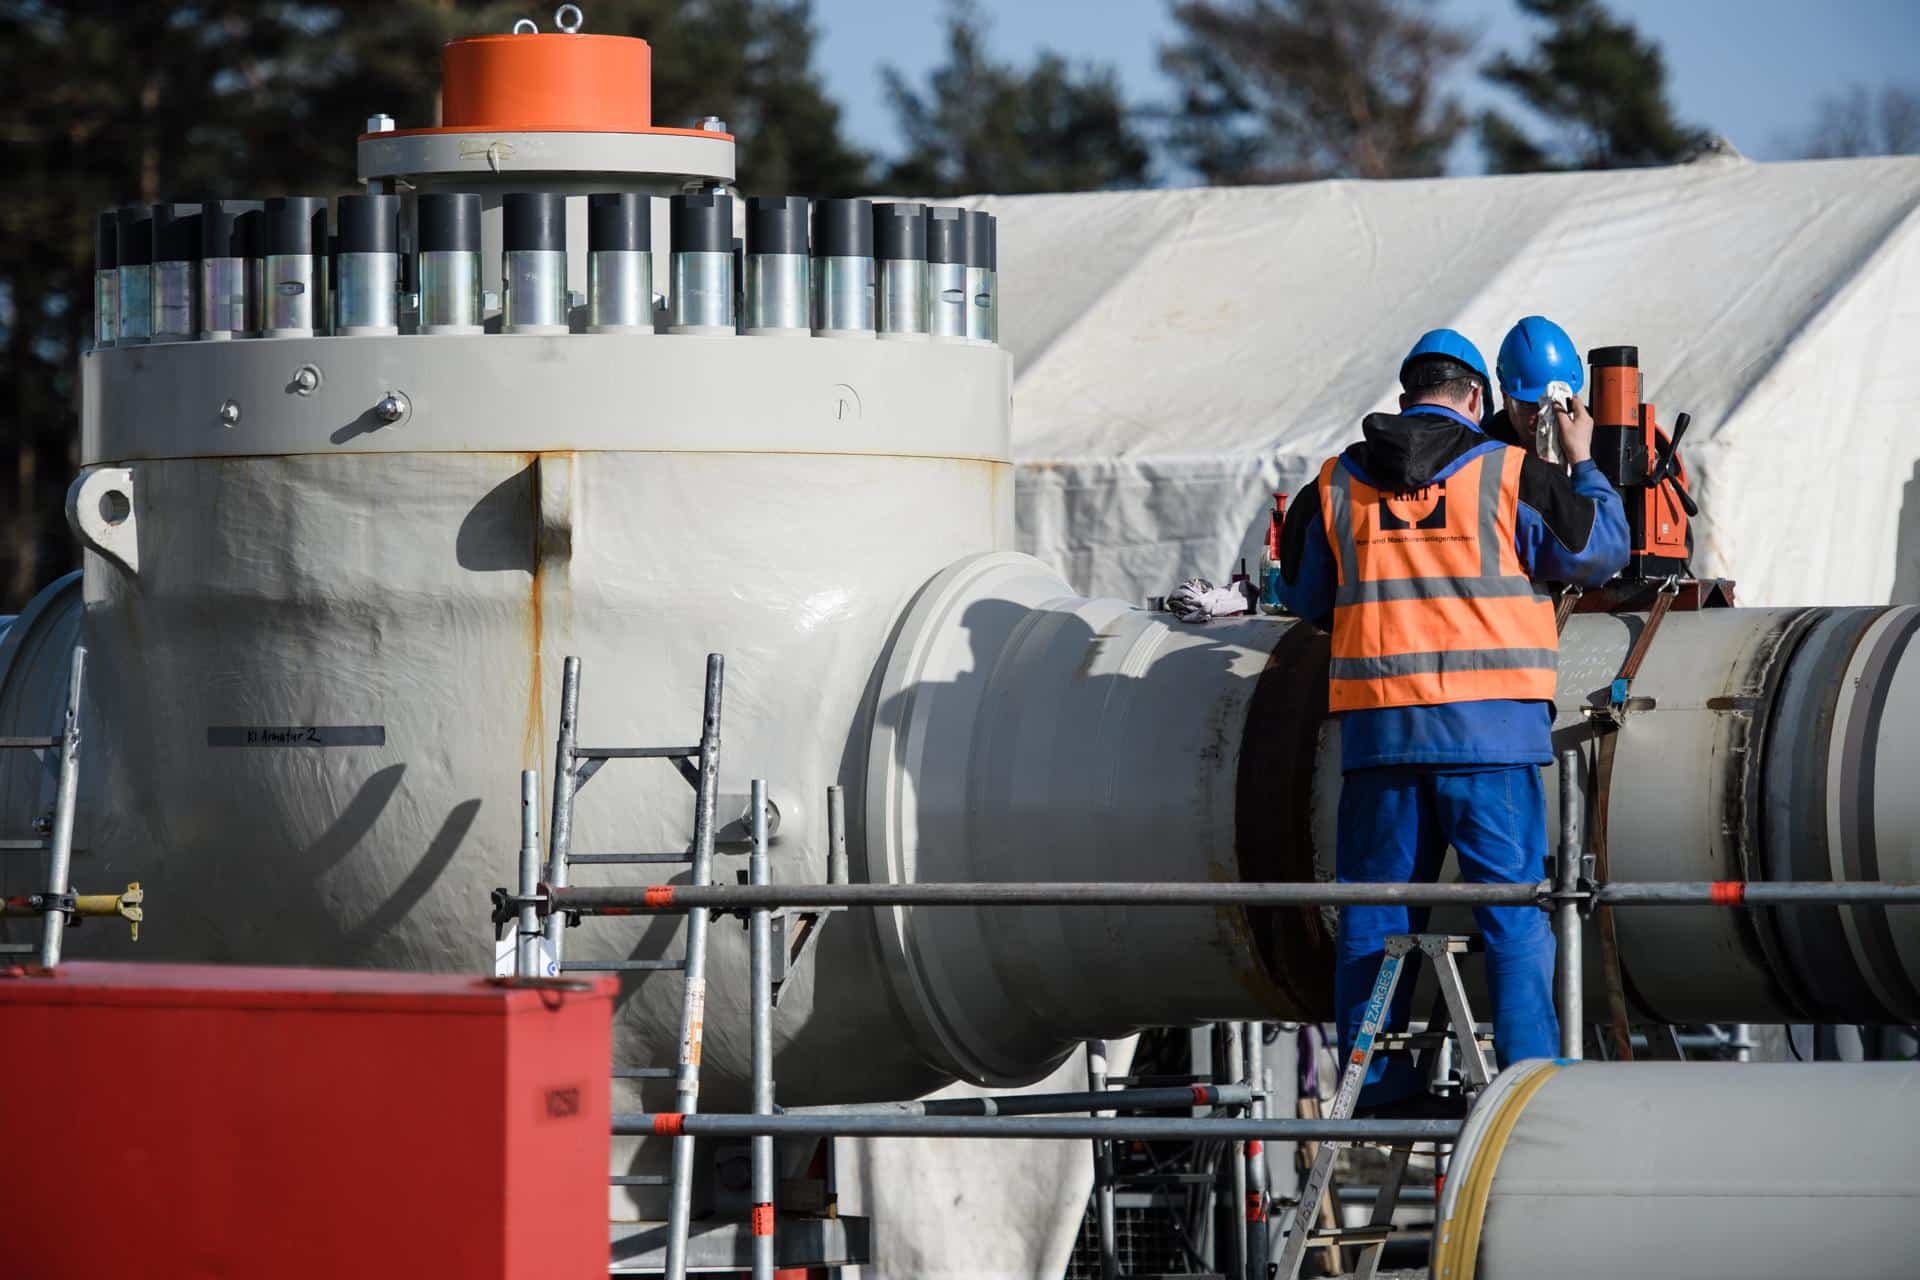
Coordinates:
[1079,1128]
[658,899]
[565,775]
[1162,1098]
[1231,1064]
[526,952]
[1568,873]
[760,945]
[1256,1205]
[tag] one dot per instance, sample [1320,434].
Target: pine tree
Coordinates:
[1601,85]
[987,126]
[1286,90]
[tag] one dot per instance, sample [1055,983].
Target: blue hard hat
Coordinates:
[1538,351]
[1450,344]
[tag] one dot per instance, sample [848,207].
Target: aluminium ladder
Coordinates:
[1450,1008]
[699,764]
[58,902]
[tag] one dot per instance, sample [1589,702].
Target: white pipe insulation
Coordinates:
[1686,1171]
[1025,733]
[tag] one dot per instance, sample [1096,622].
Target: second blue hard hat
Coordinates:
[1535,352]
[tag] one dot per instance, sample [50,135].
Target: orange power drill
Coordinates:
[1643,463]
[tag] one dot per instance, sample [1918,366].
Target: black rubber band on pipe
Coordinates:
[533,221]
[619,221]
[777,224]
[448,222]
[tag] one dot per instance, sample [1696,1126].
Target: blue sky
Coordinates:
[1753,70]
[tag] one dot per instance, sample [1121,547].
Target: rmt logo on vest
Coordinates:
[1415,509]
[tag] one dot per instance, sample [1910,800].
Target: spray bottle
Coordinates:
[1270,558]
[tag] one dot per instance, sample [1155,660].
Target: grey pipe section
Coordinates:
[1162,1098]
[527,943]
[53,925]
[760,983]
[1687,1171]
[1567,979]
[1079,1128]
[631,900]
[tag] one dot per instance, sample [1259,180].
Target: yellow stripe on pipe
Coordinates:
[1456,1249]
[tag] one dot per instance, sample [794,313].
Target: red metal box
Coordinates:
[212,1122]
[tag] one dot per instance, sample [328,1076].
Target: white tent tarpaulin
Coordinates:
[1180,355]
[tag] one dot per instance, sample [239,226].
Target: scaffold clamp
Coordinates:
[507,905]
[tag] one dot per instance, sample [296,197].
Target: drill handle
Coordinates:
[1667,469]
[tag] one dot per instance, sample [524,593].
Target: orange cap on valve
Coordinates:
[531,83]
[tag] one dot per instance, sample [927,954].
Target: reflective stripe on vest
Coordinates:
[1432,604]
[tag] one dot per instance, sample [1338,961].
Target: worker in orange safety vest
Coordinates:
[1420,549]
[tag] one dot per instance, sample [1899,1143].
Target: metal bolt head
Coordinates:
[306,380]
[713,124]
[392,407]
[230,413]
[380,123]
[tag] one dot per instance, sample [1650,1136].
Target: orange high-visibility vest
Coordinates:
[1432,603]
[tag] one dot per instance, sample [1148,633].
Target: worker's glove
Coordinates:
[1197,600]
